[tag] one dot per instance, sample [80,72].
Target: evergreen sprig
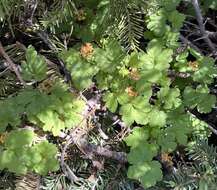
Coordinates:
[201,173]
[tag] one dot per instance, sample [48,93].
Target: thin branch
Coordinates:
[29,11]
[45,38]
[212,35]
[117,120]
[189,43]
[78,137]
[212,129]
[11,64]
[65,168]
[101,151]
[90,149]
[31,6]
[4,72]
[23,47]
[210,125]
[211,22]
[203,31]
[172,73]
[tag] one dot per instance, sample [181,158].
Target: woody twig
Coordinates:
[11,64]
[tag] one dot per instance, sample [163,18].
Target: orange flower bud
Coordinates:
[81,15]
[86,50]
[134,74]
[194,65]
[129,90]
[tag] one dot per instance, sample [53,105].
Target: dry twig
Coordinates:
[11,64]
[203,31]
[189,43]
[29,11]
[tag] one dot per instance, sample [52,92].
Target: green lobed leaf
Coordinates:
[136,110]
[206,71]
[111,101]
[171,38]
[14,156]
[179,118]
[109,58]
[176,19]
[53,112]
[18,139]
[170,5]
[77,65]
[20,155]
[157,118]
[182,62]
[169,97]
[157,22]
[147,173]
[199,98]
[137,137]
[51,122]
[167,141]
[48,161]
[144,152]
[35,67]
[9,114]
[14,163]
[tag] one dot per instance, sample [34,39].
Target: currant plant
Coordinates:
[138,87]
[53,109]
[21,154]
[35,67]
[136,84]
[52,112]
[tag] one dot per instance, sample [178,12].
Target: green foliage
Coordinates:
[147,173]
[20,155]
[8,8]
[128,24]
[17,156]
[157,23]
[102,49]
[46,158]
[204,157]
[176,19]
[140,135]
[209,4]
[143,169]
[106,60]
[77,65]
[169,98]
[135,110]
[170,5]
[54,112]
[199,97]
[166,121]
[154,63]
[111,102]
[200,130]
[35,67]
[59,18]
[206,71]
